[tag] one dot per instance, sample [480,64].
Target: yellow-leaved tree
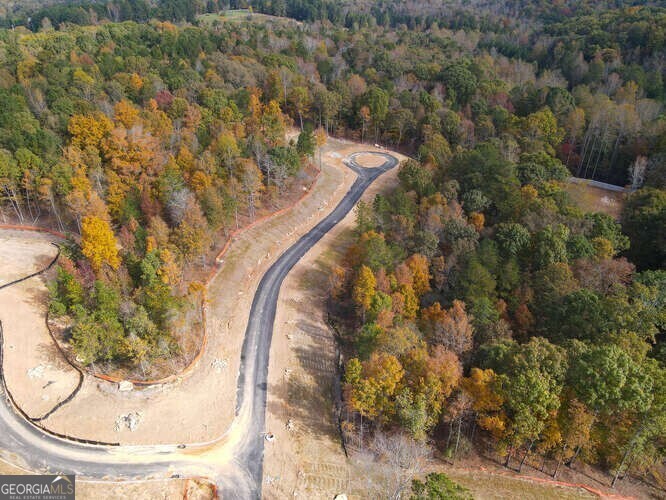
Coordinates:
[419,266]
[320,137]
[364,289]
[126,113]
[98,243]
[89,130]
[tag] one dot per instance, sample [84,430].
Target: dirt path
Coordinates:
[491,486]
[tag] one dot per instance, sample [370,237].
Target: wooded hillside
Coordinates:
[478,302]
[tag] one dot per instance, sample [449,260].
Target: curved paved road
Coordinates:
[253,378]
[234,460]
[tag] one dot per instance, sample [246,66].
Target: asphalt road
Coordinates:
[241,476]
[253,377]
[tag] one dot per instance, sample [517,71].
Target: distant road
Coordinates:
[598,184]
[235,461]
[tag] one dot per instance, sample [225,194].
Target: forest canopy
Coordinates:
[477,301]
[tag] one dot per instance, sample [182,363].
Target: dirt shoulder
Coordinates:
[34,370]
[172,489]
[306,460]
[201,406]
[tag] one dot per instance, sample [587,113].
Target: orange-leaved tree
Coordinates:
[452,329]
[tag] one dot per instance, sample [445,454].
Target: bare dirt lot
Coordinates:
[35,372]
[173,489]
[594,199]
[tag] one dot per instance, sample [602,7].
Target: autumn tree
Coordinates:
[126,114]
[484,388]
[191,236]
[301,100]
[419,267]
[575,422]
[320,139]
[430,378]
[98,243]
[364,289]
[227,148]
[451,328]
[365,115]
[373,384]
[273,124]
[89,131]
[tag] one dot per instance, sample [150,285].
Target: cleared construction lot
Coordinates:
[35,372]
